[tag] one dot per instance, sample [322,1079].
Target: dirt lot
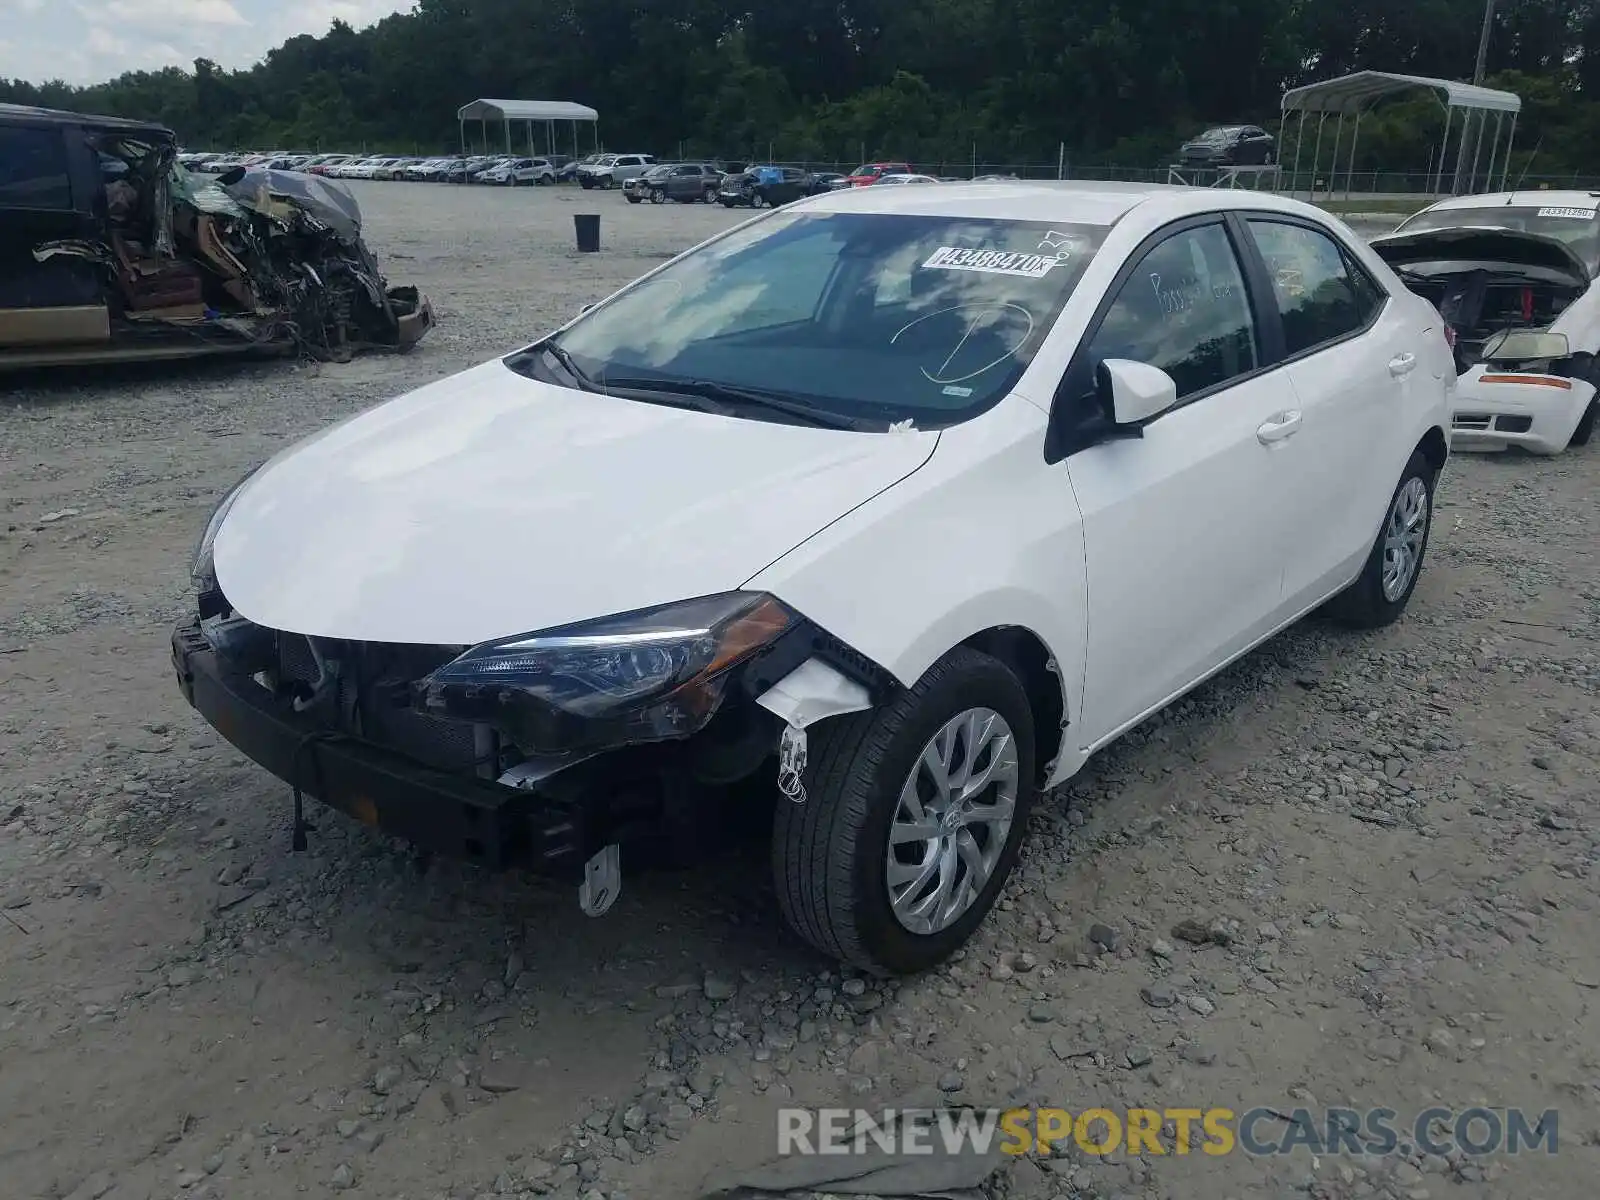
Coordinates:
[1392,840]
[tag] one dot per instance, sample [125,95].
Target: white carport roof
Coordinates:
[525,110]
[1351,93]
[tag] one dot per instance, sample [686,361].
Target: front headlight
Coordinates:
[201,569]
[643,676]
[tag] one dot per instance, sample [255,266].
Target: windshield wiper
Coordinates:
[725,395]
[520,362]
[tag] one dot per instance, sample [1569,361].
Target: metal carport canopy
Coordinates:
[1352,94]
[527,111]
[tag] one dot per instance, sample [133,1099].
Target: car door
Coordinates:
[1182,521]
[684,183]
[1352,358]
[47,181]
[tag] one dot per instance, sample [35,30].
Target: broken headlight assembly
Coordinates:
[202,570]
[651,675]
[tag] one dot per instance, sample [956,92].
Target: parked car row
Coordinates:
[504,169]
[754,186]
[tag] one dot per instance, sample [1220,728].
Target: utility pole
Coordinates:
[1483,41]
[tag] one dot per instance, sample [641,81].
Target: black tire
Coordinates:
[633,200]
[1363,605]
[607,183]
[658,195]
[829,854]
[1585,429]
[709,195]
[727,204]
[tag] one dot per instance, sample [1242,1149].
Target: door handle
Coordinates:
[1402,364]
[1275,429]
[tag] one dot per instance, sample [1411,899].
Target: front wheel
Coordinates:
[1380,593]
[658,195]
[606,183]
[633,200]
[913,818]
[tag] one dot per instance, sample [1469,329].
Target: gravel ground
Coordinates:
[1353,870]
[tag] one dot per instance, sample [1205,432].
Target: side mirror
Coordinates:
[1131,393]
[585,309]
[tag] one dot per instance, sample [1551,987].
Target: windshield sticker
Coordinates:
[959,392]
[1571,214]
[996,262]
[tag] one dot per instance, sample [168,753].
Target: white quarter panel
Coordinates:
[987,534]
[489,504]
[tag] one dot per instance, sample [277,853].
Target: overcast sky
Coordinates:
[88,41]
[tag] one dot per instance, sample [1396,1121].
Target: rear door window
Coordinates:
[1322,295]
[33,169]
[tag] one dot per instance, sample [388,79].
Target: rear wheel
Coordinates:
[1380,594]
[914,816]
[709,195]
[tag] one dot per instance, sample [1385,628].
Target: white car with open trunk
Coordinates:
[1512,274]
[885,509]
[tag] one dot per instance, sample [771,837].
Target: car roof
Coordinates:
[24,114]
[1083,202]
[1523,199]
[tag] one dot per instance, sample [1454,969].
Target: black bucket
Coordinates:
[587,226]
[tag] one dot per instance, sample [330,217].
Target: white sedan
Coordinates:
[892,506]
[1513,276]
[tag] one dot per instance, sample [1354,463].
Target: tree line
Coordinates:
[1114,82]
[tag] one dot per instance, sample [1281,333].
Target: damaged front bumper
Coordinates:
[1496,409]
[448,813]
[459,788]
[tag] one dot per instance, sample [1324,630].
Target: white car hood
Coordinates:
[489,504]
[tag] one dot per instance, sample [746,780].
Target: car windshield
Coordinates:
[866,317]
[1574,225]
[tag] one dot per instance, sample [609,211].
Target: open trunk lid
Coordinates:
[1481,247]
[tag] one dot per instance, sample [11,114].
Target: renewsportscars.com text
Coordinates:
[1178,1131]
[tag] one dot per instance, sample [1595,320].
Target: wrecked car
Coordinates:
[112,251]
[876,514]
[1512,274]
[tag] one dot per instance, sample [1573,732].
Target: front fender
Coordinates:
[986,535]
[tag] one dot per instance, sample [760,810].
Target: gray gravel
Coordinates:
[1351,870]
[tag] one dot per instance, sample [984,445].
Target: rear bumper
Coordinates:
[454,815]
[1538,417]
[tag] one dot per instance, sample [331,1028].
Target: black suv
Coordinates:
[762,187]
[1229,146]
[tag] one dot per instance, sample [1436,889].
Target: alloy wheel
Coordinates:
[1403,538]
[952,821]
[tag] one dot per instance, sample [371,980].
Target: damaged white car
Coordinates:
[113,251]
[1513,276]
[898,503]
